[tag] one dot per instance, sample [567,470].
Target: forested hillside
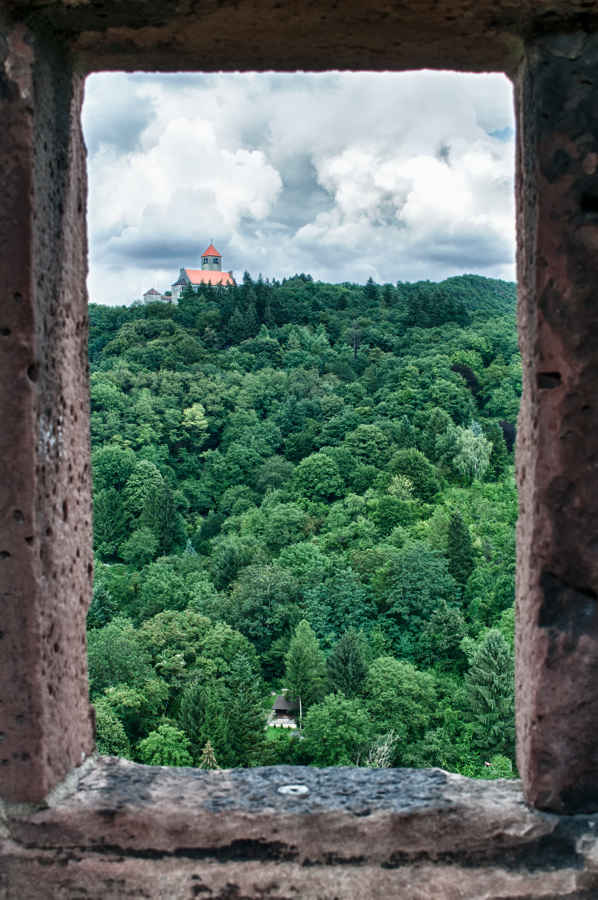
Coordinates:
[308,486]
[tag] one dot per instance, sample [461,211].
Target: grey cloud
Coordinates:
[466,247]
[302,197]
[342,175]
[114,114]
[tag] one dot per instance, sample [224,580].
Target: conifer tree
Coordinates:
[388,294]
[439,643]
[208,758]
[305,667]
[160,514]
[203,717]
[490,690]
[460,549]
[438,423]
[247,284]
[236,331]
[415,314]
[345,665]
[370,291]
[251,322]
[103,607]
[247,717]
[261,294]
[109,524]
[269,319]
[406,435]
[499,458]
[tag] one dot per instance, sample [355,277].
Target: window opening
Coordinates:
[304,496]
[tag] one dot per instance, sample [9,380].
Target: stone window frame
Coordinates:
[51,786]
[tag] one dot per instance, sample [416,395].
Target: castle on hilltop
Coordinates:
[210,273]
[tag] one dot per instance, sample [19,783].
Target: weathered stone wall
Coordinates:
[45,509]
[139,831]
[557,444]
[226,35]
[131,831]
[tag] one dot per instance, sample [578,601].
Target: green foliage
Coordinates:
[346,665]
[144,477]
[490,695]
[285,525]
[247,718]
[459,549]
[409,588]
[400,698]
[228,714]
[413,464]
[318,478]
[335,730]
[438,424]
[499,457]
[103,606]
[115,657]
[305,667]
[466,450]
[439,644]
[109,523]
[111,738]
[167,746]
[204,718]
[369,445]
[141,547]
[275,470]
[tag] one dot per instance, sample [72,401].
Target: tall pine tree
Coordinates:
[247,717]
[490,691]
[204,717]
[305,667]
[499,457]
[371,291]
[103,607]
[346,665]
[109,523]
[437,424]
[460,549]
[160,514]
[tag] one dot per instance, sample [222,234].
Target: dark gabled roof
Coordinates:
[281,702]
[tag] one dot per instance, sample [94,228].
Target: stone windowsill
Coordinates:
[143,831]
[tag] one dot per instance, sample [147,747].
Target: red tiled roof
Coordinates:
[211,251]
[196,276]
[152,291]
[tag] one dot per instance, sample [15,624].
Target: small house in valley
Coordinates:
[284,712]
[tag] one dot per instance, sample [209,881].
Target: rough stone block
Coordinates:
[286,832]
[557,443]
[45,490]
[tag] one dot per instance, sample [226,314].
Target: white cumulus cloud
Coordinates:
[398,176]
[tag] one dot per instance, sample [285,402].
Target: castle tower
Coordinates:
[211,259]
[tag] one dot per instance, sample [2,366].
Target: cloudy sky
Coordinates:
[342,175]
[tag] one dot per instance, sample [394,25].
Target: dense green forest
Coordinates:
[308,486]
